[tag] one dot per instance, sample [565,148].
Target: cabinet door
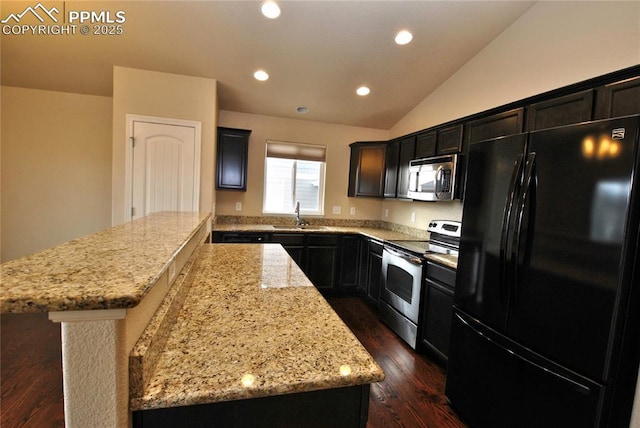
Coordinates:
[407,153]
[497,125]
[374,272]
[367,169]
[426,144]
[449,140]
[321,266]
[436,319]
[232,153]
[573,108]
[349,261]
[391,173]
[618,99]
[293,243]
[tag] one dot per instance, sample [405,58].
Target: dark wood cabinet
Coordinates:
[449,140]
[231,162]
[407,153]
[618,99]
[497,125]
[367,169]
[391,170]
[350,250]
[349,408]
[374,271]
[437,311]
[426,144]
[322,261]
[573,108]
[240,237]
[330,260]
[293,243]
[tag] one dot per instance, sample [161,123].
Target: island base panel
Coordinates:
[339,407]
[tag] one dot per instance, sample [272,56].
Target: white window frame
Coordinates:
[321,186]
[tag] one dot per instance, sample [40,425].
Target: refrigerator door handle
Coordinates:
[506,223]
[584,389]
[523,199]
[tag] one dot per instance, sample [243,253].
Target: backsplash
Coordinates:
[289,220]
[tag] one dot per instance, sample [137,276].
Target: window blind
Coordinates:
[298,151]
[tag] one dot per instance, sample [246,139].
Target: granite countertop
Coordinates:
[252,325]
[112,269]
[378,233]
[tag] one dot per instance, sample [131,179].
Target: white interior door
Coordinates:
[165,168]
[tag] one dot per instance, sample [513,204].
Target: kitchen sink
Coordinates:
[303,227]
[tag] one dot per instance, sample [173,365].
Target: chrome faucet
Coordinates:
[297,211]
[299,221]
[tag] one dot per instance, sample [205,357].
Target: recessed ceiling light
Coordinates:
[403,37]
[363,90]
[302,109]
[261,75]
[270,9]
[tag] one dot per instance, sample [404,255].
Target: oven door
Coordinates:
[402,279]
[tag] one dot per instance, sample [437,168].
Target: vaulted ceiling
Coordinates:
[317,52]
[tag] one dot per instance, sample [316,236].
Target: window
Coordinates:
[294,172]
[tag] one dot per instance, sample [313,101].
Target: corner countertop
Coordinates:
[252,325]
[378,233]
[112,269]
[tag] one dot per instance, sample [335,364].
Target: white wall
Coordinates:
[165,95]
[553,44]
[335,137]
[56,168]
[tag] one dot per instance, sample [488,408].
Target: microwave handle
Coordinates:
[413,183]
[438,184]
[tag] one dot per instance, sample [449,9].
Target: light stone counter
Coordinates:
[112,269]
[251,325]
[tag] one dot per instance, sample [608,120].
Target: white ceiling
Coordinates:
[317,52]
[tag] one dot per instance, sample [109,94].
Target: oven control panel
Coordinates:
[445,227]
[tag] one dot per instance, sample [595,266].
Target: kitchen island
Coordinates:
[256,339]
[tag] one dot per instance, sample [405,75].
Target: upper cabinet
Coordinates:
[426,144]
[407,153]
[384,169]
[573,108]
[442,141]
[367,169]
[391,173]
[618,99]
[232,155]
[449,140]
[497,125]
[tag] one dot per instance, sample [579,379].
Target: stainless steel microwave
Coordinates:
[433,179]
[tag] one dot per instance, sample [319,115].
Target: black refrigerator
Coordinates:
[546,328]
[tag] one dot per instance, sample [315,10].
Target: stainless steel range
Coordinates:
[403,275]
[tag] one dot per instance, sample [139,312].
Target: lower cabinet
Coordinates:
[322,261]
[437,309]
[293,243]
[370,267]
[351,248]
[330,261]
[349,407]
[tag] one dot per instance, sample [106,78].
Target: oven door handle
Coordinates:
[409,258]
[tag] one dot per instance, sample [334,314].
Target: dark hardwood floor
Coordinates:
[412,395]
[30,372]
